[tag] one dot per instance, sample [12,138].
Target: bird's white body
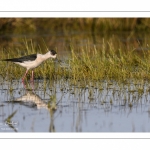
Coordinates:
[33,64]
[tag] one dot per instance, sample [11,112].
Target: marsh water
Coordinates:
[60,106]
[74,108]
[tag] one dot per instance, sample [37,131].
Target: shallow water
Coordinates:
[73,108]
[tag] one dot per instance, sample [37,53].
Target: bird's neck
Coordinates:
[47,55]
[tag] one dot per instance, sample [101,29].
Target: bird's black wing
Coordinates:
[22,59]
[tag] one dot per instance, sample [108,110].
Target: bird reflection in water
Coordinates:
[33,100]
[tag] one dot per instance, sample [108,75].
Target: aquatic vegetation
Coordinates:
[85,64]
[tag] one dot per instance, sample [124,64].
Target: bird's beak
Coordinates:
[56,59]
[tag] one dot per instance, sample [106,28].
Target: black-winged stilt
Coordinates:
[32,61]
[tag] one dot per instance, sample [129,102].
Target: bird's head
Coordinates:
[53,53]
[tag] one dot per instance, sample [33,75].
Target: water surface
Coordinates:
[61,107]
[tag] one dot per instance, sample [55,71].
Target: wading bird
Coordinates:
[32,61]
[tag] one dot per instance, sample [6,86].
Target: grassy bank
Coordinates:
[87,63]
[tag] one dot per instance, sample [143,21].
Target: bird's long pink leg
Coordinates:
[32,80]
[32,76]
[24,78]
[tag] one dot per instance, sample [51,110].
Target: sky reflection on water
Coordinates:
[78,109]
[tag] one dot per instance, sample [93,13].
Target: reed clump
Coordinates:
[84,63]
[97,64]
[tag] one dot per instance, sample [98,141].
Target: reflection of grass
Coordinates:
[9,122]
